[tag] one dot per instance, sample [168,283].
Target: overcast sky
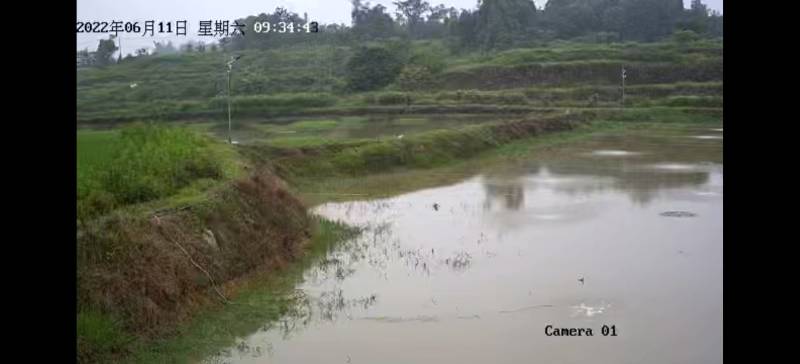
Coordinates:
[323,11]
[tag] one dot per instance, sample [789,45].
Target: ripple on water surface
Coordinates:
[614,153]
[678,167]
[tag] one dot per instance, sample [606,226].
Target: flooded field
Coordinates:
[620,234]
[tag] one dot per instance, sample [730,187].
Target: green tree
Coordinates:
[464,30]
[612,19]
[684,37]
[715,24]
[570,18]
[372,67]
[411,12]
[371,22]
[105,49]
[649,20]
[698,17]
[164,48]
[504,23]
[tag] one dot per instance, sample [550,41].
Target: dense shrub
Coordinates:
[372,67]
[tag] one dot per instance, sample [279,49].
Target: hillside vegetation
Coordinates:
[315,80]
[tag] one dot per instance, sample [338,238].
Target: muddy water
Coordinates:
[623,231]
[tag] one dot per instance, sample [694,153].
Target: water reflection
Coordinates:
[642,171]
[511,194]
[497,259]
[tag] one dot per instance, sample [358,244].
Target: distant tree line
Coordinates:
[106,48]
[500,24]
[491,25]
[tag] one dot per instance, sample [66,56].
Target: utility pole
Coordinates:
[230,68]
[623,87]
[119,59]
[230,140]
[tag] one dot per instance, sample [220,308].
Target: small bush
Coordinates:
[415,78]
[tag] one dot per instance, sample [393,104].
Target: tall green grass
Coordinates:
[101,338]
[143,163]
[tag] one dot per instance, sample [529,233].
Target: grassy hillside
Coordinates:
[270,83]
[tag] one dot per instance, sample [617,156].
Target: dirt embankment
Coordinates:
[152,271]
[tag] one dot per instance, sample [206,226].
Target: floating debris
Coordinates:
[585,310]
[678,214]
[526,308]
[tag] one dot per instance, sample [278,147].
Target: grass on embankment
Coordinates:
[260,299]
[393,177]
[142,163]
[138,259]
[468,99]
[437,147]
[140,276]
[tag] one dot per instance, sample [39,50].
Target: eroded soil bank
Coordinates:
[148,272]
